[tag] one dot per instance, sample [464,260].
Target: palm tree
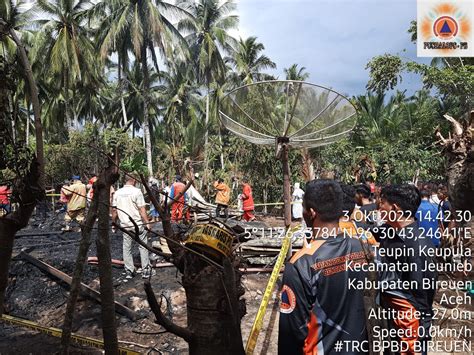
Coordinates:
[181,111]
[63,46]
[141,26]
[299,74]
[179,99]
[209,40]
[12,12]
[9,15]
[379,121]
[293,73]
[11,19]
[248,61]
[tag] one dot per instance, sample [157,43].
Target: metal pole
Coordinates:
[286,193]
[286,186]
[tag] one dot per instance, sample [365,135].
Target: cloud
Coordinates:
[333,39]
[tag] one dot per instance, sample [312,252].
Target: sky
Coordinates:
[333,39]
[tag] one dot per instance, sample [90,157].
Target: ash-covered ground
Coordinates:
[36,296]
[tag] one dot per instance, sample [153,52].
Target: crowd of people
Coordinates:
[348,223]
[392,227]
[129,209]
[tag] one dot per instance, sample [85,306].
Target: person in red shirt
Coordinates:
[177,204]
[90,187]
[247,201]
[63,199]
[5,193]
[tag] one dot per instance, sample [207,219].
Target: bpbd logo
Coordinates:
[445,27]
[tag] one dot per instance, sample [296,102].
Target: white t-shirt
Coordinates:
[128,200]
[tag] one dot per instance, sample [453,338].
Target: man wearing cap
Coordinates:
[177,204]
[76,206]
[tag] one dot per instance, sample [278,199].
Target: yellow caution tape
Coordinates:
[271,204]
[55,332]
[257,324]
[211,236]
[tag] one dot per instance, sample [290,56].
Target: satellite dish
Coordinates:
[287,113]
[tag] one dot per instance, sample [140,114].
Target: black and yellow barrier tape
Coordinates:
[55,332]
[257,324]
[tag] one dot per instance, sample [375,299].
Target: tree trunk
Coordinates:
[286,193]
[206,145]
[214,330]
[13,222]
[36,106]
[146,123]
[308,167]
[109,326]
[459,150]
[27,133]
[214,307]
[33,182]
[35,103]
[206,123]
[265,199]
[77,277]
[122,100]
[214,310]
[221,154]
[66,101]
[14,109]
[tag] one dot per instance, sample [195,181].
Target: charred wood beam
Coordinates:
[90,292]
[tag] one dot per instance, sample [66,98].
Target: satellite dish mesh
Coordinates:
[305,115]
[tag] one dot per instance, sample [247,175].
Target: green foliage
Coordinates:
[70,46]
[259,164]
[84,153]
[397,134]
[15,158]
[384,72]
[249,62]
[295,73]
[395,162]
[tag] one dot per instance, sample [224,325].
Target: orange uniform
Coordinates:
[248,205]
[178,205]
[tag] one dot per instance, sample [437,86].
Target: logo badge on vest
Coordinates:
[288,300]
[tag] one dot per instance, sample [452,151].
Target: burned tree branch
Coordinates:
[457,127]
[165,215]
[86,231]
[109,327]
[162,320]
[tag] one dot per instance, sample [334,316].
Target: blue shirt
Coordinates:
[427,216]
